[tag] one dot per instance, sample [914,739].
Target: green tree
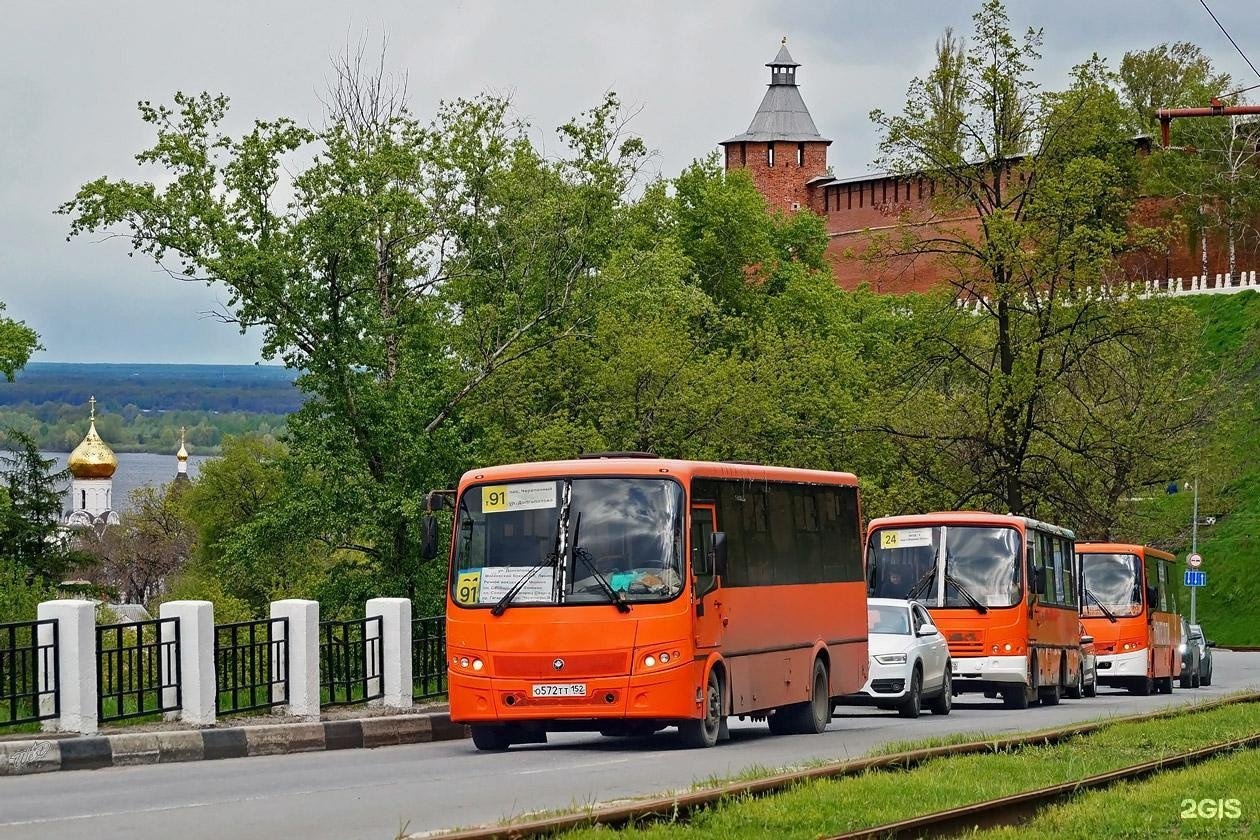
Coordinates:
[1174,75]
[412,265]
[1004,394]
[31,538]
[17,343]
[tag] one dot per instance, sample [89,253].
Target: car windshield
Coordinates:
[981,565]
[1113,580]
[1196,632]
[571,541]
[885,618]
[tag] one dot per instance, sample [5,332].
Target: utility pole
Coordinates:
[1194,544]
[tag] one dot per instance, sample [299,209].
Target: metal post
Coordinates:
[1194,546]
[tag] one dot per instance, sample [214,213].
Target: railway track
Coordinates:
[679,806]
[1019,807]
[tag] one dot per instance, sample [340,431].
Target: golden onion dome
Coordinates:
[182,454]
[92,458]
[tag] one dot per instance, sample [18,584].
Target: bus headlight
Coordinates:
[477,664]
[649,660]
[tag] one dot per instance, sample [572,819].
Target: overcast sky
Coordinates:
[71,73]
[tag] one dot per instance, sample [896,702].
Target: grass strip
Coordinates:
[1217,798]
[833,806]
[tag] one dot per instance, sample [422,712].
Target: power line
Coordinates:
[1231,39]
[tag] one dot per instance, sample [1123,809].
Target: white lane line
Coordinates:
[574,766]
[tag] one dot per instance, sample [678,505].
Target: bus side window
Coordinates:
[701,528]
[1163,586]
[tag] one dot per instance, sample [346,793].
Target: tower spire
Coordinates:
[92,409]
[181,458]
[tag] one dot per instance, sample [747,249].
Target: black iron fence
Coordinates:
[137,668]
[28,672]
[351,661]
[428,657]
[251,665]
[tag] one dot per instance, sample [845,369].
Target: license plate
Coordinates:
[559,690]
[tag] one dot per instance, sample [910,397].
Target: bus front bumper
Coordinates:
[667,695]
[1122,665]
[972,672]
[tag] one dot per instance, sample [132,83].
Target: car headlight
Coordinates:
[891,658]
[1181,648]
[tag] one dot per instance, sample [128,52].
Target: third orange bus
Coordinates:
[1128,605]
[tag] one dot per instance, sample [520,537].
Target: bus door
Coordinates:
[710,615]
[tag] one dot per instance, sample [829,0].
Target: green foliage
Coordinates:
[31,541]
[20,595]
[17,343]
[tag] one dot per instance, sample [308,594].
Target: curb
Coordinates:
[18,758]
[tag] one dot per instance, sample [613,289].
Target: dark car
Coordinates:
[1205,646]
[1190,659]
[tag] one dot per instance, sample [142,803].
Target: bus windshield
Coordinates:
[947,566]
[1115,581]
[570,541]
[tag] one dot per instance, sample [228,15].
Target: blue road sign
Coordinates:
[1194,578]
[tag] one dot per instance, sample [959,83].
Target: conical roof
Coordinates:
[782,115]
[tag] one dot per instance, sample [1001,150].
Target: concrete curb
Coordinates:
[18,758]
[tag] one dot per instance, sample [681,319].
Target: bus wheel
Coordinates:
[1015,697]
[1164,685]
[704,732]
[489,738]
[810,717]
[1049,695]
[1143,686]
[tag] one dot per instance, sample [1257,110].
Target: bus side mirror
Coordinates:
[429,541]
[717,553]
[1087,640]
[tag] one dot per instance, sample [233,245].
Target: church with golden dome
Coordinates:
[92,465]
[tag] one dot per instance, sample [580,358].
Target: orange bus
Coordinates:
[1002,589]
[1129,606]
[628,593]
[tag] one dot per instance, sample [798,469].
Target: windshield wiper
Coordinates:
[580,553]
[1108,613]
[921,584]
[962,590]
[552,559]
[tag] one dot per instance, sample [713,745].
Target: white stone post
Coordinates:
[303,655]
[196,660]
[76,664]
[395,641]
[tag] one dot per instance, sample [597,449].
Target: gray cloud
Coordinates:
[71,73]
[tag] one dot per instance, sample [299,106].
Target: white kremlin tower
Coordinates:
[92,463]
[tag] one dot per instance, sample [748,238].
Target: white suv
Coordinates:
[909,659]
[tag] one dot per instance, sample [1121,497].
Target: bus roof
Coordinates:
[656,467]
[969,517]
[1123,548]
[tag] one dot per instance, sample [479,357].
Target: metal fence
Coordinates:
[28,672]
[251,665]
[351,661]
[428,657]
[137,668]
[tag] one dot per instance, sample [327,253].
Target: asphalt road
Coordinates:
[377,793]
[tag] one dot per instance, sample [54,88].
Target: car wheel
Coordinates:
[1077,691]
[943,703]
[1091,687]
[704,732]
[913,704]
[1197,680]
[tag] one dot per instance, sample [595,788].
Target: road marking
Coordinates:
[574,766]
